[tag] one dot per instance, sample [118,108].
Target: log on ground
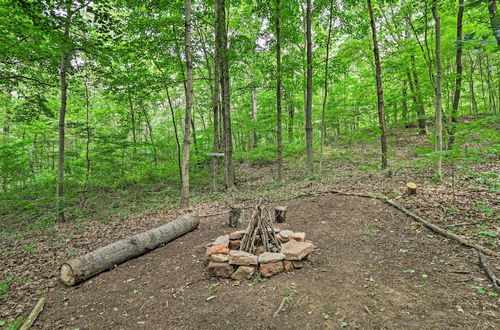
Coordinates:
[81,268]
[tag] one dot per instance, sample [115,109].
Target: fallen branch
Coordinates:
[482,263]
[280,307]
[34,314]
[442,231]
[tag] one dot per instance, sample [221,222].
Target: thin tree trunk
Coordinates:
[132,121]
[226,103]
[458,80]
[150,131]
[62,123]
[254,117]
[87,129]
[308,110]
[422,124]
[380,92]
[184,202]
[278,94]
[439,78]
[405,101]
[176,131]
[291,115]
[325,90]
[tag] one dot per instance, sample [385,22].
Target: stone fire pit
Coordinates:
[286,250]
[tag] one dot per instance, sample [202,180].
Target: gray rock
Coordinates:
[269,257]
[286,233]
[242,258]
[222,240]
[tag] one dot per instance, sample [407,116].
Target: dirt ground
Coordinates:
[373,268]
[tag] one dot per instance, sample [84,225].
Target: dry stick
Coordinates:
[34,314]
[443,232]
[280,307]
[488,271]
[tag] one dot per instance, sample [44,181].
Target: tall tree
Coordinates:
[438,89]
[184,202]
[62,111]
[458,79]
[278,93]
[223,54]
[325,88]
[380,91]
[309,82]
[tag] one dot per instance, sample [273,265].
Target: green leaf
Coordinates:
[425,275]
[492,294]
[408,271]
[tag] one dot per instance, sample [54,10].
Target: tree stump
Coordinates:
[280,214]
[236,215]
[411,188]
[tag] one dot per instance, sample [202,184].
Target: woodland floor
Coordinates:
[357,275]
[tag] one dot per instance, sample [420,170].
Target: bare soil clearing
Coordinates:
[372,269]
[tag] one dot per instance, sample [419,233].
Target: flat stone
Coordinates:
[268,257]
[220,257]
[234,244]
[299,237]
[294,250]
[270,269]
[219,249]
[288,266]
[242,258]
[222,240]
[243,273]
[285,233]
[298,264]
[237,234]
[220,269]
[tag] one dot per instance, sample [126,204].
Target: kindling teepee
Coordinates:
[260,232]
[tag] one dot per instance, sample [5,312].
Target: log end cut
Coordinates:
[67,274]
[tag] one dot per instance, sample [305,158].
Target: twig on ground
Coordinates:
[482,263]
[34,314]
[280,307]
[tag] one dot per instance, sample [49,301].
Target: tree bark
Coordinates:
[176,131]
[254,117]
[184,202]
[495,21]
[439,79]
[380,92]
[278,93]
[81,268]
[62,123]
[308,110]
[458,80]
[226,102]
[325,89]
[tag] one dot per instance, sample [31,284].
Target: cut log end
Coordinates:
[67,275]
[280,214]
[411,188]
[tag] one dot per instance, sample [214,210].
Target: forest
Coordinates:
[117,115]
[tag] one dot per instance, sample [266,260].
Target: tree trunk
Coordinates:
[81,268]
[405,101]
[176,131]
[291,115]
[226,103]
[308,110]
[458,80]
[87,129]
[62,123]
[439,78]
[132,122]
[422,124]
[278,94]
[495,21]
[254,117]
[184,202]
[325,90]
[380,92]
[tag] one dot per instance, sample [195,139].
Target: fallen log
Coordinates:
[81,268]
